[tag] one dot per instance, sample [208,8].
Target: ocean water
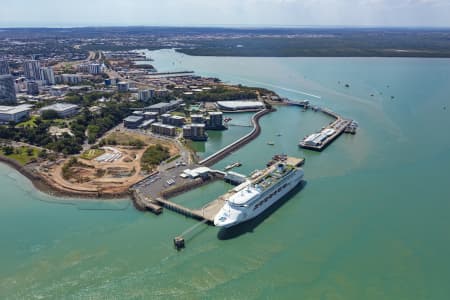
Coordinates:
[371,221]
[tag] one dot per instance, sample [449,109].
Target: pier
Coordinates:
[206,213]
[319,141]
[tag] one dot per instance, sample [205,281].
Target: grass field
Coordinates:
[29,123]
[92,153]
[123,138]
[21,155]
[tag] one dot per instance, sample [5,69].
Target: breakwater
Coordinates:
[212,159]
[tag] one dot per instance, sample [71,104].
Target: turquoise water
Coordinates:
[199,197]
[371,223]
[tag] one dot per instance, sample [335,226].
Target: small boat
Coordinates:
[233,165]
[271,143]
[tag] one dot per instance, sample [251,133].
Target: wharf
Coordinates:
[206,213]
[339,126]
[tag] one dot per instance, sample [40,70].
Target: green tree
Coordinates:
[49,114]
[8,150]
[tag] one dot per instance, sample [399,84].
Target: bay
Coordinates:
[371,223]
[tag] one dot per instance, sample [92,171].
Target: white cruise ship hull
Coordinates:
[230,215]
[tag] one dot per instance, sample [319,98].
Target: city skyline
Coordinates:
[252,13]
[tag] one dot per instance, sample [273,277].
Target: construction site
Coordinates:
[108,170]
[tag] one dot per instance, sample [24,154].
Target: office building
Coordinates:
[7,90]
[48,75]
[68,78]
[59,90]
[145,95]
[150,115]
[15,114]
[4,67]
[32,88]
[64,110]
[133,122]
[161,92]
[123,87]
[95,69]
[32,70]
[164,107]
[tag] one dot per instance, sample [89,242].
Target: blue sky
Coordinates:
[225,12]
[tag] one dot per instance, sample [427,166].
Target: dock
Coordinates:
[320,140]
[206,213]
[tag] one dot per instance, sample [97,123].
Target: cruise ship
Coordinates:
[260,191]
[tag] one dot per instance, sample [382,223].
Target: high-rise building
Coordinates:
[123,87]
[7,90]
[32,70]
[32,88]
[48,75]
[95,69]
[4,67]
[215,121]
[145,95]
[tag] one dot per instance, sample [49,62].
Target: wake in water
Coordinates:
[280,87]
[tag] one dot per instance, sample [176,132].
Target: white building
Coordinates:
[316,139]
[240,105]
[58,90]
[15,113]
[64,110]
[123,86]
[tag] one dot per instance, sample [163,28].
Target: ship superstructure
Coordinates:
[260,191]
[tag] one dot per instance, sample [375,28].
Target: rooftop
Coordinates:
[241,104]
[60,107]
[133,119]
[15,109]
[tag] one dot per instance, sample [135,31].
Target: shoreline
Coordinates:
[44,186]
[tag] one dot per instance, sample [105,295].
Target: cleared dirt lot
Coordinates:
[106,176]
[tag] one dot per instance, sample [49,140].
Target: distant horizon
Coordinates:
[228,26]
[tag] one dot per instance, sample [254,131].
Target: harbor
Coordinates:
[154,196]
[157,191]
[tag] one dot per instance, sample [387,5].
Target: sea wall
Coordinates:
[212,159]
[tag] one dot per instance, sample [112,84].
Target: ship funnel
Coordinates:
[280,168]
